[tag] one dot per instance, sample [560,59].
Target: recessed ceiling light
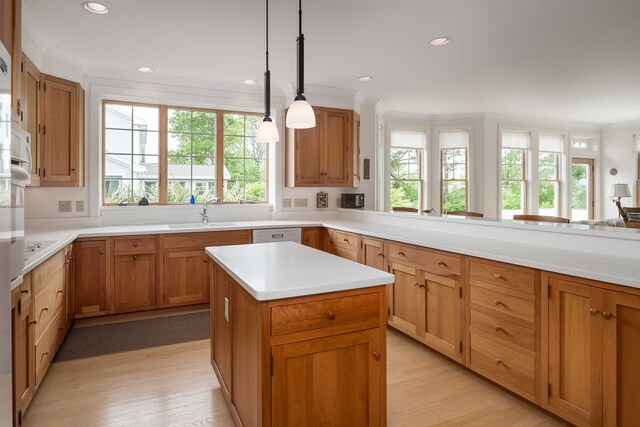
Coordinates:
[250,82]
[440,41]
[146,69]
[365,78]
[97,8]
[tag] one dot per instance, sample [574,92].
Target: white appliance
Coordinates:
[277,235]
[6,237]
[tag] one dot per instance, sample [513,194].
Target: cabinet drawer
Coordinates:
[135,243]
[25,291]
[42,274]
[347,240]
[47,345]
[503,329]
[47,303]
[201,240]
[503,303]
[432,262]
[288,319]
[520,279]
[509,365]
[349,254]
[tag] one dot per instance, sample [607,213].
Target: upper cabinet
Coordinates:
[32,114]
[326,155]
[62,133]
[11,37]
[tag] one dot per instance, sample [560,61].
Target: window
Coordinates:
[406,183]
[188,153]
[453,170]
[580,143]
[513,174]
[131,152]
[548,184]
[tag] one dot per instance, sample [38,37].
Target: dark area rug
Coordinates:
[98,340]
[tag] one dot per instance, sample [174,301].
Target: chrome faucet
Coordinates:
[205,218]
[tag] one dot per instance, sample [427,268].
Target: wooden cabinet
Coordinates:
[373,253]
[32,114]
[12,40]
[184,275]
[592,343]
[406,302]
[348,393]
[313,237]
[346,245]
[269,356]
[326,155]
[23,333]
[63,133]
[134,273]
[69,278]
[90,279]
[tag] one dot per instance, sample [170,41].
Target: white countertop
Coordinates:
[621,268]
[271,271]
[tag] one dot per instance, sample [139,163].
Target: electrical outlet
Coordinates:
[286,203]
[79,205]
[300,203]
[64,206]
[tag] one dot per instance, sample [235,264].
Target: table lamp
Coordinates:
[618,191]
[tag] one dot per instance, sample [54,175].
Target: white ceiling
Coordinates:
[573,60]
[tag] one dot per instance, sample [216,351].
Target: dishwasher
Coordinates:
[277,235]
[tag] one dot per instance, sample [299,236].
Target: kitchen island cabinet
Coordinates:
[294,343]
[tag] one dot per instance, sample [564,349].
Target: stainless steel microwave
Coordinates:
[352,201]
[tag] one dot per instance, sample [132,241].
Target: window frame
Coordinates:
[419,180]
[163,157]
[591,186]
[556,180]
[523,182]
[465,180]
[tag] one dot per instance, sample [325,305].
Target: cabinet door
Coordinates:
[31,114]
[62,139]
[373,253]
[443,316]
[185,278]
[575,350]
[407,304]
[23,355]
[337,148]
[6,24]
[16,74]
[134,278]
[309,154]
[621,328]
[356,151]
[330,241]
[221,327]
[313,237]
[69,268]
[90,281]
[329,381]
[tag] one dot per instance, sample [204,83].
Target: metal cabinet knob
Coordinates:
[606,315]
[135,257]
[497,302]
[498,361]
[331,315]
[497,276]
[376,355]
[498,327]
[135,244]
[593,311]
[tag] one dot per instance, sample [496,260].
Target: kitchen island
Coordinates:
[298,336]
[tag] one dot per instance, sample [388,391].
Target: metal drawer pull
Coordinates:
[331,315]
[497,276]
[593,311]
[606,315]
[59,292]
[382,255]
[497,302]
[345,240]
[24,291]
[498,327]
[45,353]
[60,328]
[376,355]
[498,361]
[33,322]
[44,309]
[442,264]
[401,253]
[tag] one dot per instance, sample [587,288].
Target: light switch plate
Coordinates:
[79,205]
[286,203]
[300,203]
[64,206]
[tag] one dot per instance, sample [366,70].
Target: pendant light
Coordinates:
[267,131]
[300,114]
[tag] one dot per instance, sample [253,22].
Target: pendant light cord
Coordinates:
[267,35]
[300,17]
[267,73]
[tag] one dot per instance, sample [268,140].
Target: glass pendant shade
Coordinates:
[301,115]
[267,132]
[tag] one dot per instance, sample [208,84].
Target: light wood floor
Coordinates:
[175,386]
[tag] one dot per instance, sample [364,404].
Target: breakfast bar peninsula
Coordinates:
[298,336]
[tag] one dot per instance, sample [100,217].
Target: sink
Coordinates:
[201,225]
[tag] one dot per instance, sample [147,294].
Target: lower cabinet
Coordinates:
[593,342]
[90,279]
[348,391]
[185,278]
[134,278]
[23,333]
[313,237]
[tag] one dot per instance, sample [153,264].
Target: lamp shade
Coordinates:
[619,190]
[301,115]
[267,132]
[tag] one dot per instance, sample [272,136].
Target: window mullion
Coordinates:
[163,160]
[219,155]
